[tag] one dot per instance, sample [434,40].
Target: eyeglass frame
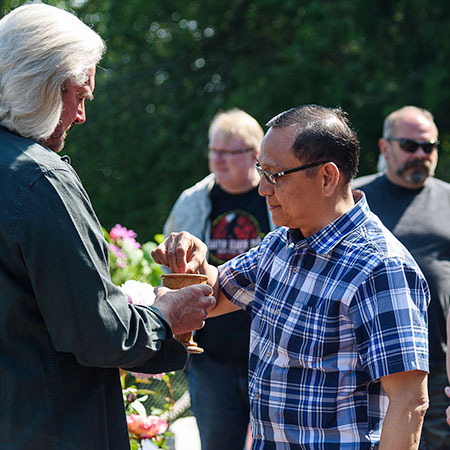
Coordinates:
[401,141]
[225,153]
[272,178]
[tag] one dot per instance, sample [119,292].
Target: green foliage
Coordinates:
[171,65]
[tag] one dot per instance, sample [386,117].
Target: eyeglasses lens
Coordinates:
[268,176]
[410,146]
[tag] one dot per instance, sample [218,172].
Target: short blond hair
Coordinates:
[237,122]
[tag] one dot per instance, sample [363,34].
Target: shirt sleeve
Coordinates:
[389,312]
[237,278]
[59,243]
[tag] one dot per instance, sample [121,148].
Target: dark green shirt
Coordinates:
[65,329]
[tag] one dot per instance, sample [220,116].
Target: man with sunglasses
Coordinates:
[415,206]
[338,343]
[226,211]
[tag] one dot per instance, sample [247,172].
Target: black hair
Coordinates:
[322,134]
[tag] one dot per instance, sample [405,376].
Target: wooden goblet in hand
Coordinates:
[178,281]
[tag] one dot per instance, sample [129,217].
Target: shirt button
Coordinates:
[278,312]
[256,396]
[258,436]
[269,354]
[295,269]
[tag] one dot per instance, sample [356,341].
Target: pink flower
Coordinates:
[146,376]
[119,254]
[128,237]
[118,231]
[146,427]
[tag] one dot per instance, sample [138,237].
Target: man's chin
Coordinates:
[417,177]
[55,144]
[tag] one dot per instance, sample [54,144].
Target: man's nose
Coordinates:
[265,188]
[81,113]
[421,153]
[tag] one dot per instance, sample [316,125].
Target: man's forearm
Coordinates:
[223,305]
[402,428]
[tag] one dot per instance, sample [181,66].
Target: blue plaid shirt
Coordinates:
[331,314]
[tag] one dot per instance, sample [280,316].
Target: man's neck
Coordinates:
[334,208]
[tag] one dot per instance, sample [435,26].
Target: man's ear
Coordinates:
[330,178]
[383,145]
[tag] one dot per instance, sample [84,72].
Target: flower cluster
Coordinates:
[127,240]
[138,293]
[146,427]
[133,269]
[129,260]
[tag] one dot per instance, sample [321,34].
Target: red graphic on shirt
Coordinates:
[233,233]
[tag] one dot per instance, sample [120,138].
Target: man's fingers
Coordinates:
[159,256]
[447,391]
[181,252]
[211,303]
[199,289]
[187,308]
[177,247]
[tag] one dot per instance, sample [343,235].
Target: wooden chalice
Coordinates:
[178,281]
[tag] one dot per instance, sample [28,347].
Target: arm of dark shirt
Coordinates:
[65,256]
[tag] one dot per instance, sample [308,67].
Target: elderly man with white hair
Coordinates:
[65,328]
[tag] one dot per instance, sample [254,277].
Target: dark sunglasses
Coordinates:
[410,145]
[272,178]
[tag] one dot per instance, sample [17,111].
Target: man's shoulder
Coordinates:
[364,181]
[440,184]
[25,159]
[195,195]
[191,210]
[201,187]
[375,244]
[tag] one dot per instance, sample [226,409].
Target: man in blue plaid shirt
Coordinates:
[339,345]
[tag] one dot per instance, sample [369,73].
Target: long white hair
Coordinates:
[41,47]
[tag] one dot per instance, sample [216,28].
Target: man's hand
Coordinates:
[447,411]
[185,309]
[181,253]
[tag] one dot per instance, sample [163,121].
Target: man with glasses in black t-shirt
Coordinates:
[225,211]
[415,206]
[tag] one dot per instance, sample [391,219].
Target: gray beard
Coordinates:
[417,177]
[423,170]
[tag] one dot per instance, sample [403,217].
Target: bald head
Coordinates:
[407,114]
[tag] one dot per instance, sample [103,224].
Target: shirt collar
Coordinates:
[66,159]
[328,237]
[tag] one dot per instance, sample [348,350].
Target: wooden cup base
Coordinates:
[178,281]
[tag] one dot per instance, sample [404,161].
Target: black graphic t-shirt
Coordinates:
[238,223]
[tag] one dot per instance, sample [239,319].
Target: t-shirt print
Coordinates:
[233,233]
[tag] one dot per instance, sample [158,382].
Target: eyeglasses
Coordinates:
[225,153]
[272,178]
[410,145]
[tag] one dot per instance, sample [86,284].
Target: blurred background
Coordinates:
[172,64]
